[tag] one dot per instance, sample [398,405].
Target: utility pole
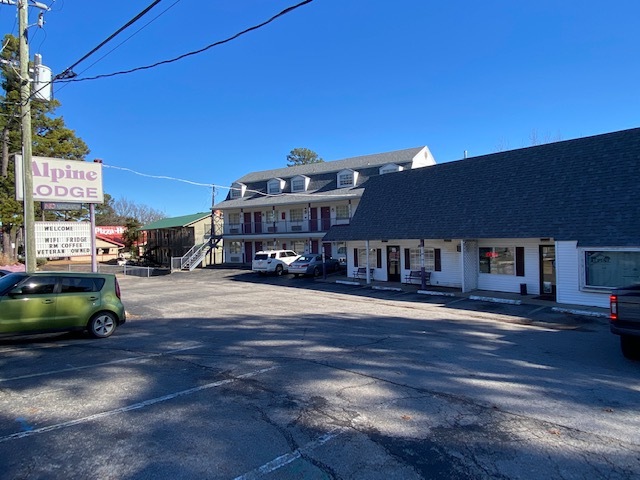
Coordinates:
[25,104]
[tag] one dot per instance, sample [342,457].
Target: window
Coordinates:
[298,245]
[298,184]
[274,186]
[390,168]
[271,216]
[345,179]
[373,257]
[497,260]
[235,247]
[611,268]
[342,212]
[237,190]
[414,259]
[295,214]
[81,284]
[38,286]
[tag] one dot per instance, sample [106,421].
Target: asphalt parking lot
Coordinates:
[223,374]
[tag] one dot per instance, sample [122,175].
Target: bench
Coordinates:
[361,272]
[416,275]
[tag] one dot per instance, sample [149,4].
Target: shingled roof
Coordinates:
[323,180]
[586,189]
[173,222]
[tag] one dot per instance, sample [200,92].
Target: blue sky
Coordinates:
[341,77]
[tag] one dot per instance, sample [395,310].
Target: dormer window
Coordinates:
[390,168]
[238,190]
[275,186]
[347,178]
[299,183]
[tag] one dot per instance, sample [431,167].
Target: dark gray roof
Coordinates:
[586,189]
[323,179]
[356,163]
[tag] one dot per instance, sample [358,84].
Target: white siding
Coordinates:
[569,271]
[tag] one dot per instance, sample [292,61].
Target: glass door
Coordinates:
[548,271]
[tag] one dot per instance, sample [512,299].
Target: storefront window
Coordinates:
[497,260]
[611,268]
[373,257]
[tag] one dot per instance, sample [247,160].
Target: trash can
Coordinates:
[523,289]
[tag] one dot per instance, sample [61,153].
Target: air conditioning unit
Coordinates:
[234,230]
[296,228]
[234,259]
[272,229]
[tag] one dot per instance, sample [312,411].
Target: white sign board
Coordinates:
[63,239]
[56,180]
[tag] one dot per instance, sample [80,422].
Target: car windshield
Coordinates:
[261,256]
[9,281]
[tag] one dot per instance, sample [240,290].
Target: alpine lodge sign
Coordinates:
[56,180]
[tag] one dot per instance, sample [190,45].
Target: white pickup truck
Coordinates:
[624,319]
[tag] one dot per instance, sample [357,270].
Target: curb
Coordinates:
[586,313]
[440,294]
[495,300]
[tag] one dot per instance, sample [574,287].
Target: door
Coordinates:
[325,218]
[248,254]
[30,307]
[548,271]
[393,263]
[313,219]
[247,223]
[257,222]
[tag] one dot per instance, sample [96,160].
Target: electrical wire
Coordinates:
[189,54]
[213,185]
[68,71]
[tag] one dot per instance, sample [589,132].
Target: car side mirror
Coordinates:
[14,292]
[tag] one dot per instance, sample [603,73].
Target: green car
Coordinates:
[45,302]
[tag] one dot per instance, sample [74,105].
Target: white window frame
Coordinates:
[350,175]
[342,212]
[584,268]
[429,259]
[300,178]
[274,186]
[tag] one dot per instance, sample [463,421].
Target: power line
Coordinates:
[213,185]
[195,52]
[69,70]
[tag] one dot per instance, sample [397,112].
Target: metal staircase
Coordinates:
[195,255]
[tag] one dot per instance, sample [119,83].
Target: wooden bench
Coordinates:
[416,275]
[361,272]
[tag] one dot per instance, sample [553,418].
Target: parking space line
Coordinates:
[286,459]
[94,365]
[135,406]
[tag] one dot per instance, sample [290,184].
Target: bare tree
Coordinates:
[144,214]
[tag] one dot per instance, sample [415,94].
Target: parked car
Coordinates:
[311,264]
[4,272]
[44,302]
[273,261]
[624,319]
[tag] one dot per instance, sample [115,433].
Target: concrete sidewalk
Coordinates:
[478,295]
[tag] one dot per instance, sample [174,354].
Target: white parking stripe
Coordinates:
[94,365]
[283,460]
[135,406]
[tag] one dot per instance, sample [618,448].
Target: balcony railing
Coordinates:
[284,226]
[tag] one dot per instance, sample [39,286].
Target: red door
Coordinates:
[247,223]
[314,246]
[248,254]
[325,218]
[257,222]
[313,223]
